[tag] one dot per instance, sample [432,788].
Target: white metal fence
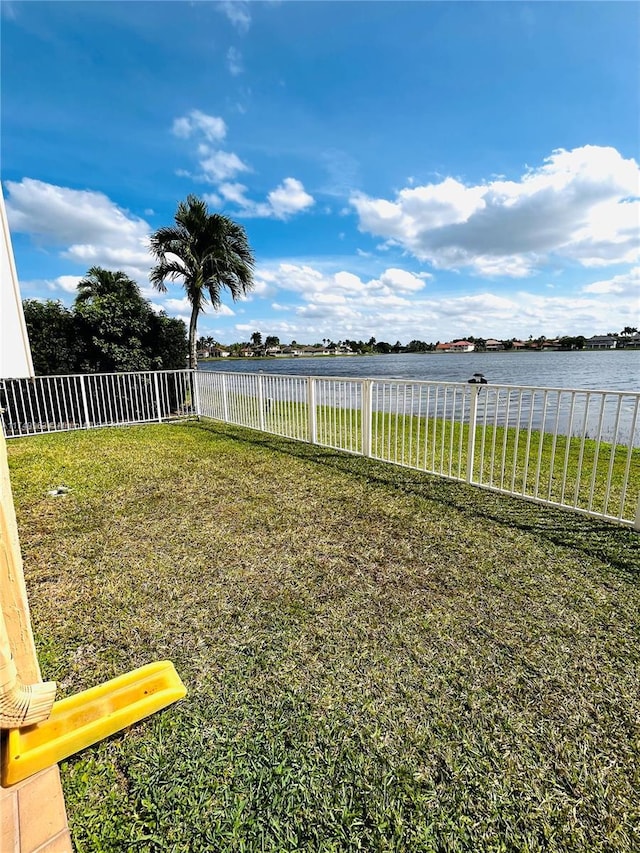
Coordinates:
[60,403]
[576,449]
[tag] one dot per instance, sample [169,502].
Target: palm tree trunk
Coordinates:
[193,323]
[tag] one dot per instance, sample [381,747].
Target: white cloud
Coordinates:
[222,311]
[394,306]
[237,11]
[260,288]
[213,128]
[580,205]
[86,226]
[178,306]
[62,215]
[289,198]
[216,165]
[286,200]
[235,193]
[401,280]
[234,61]
[68,283]
[212,199]
[182,308]
[221,165]
[626,285]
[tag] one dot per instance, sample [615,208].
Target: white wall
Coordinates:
[15,353]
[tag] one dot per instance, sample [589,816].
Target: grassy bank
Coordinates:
[597,476]
[376,660]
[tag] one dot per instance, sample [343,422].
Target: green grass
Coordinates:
[376,659]
[595,476]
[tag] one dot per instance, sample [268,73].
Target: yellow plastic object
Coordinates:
[82,720]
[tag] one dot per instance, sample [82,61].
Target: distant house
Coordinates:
[601,342]
[629,342]
[455,346]
[213,352]
[518,345]
[492,345]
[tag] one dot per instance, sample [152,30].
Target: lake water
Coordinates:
[609,370]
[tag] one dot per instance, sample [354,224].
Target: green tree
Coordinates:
[119,331]
[169,342]
[55,346]
[206,252]
[256,339]
[113,322]
[272,341]
[110,328]
[100,283]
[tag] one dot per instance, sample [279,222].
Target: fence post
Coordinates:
[85,405]
[156,388]
[196,392]
[225,400]
[261,401]
[311,409]
[471,438]
[366,416]
[636,523]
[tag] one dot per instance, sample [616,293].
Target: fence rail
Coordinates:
[577,449]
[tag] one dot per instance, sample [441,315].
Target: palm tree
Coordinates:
[99,282]
[207,251]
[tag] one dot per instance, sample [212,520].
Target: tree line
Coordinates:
[109,328]
[260,346]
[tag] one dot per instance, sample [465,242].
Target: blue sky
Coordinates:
[403,170]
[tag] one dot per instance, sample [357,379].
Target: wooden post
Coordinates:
[24,699]
[32,813]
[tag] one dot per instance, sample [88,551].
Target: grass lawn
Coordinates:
[596,476]
[377,660]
